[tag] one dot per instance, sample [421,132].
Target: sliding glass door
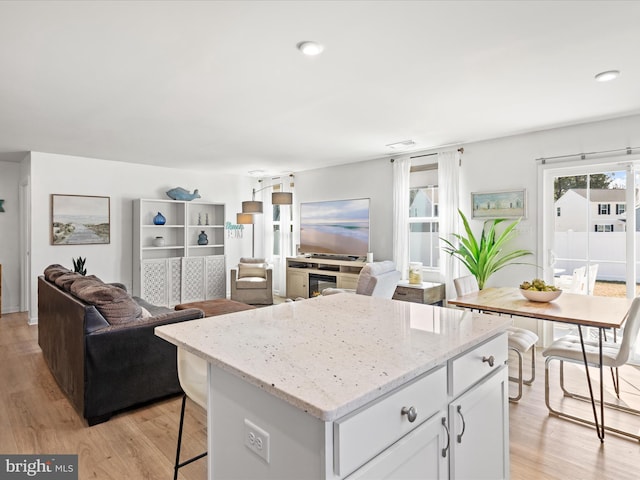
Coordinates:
[590,231]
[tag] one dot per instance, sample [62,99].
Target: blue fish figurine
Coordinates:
[180,193]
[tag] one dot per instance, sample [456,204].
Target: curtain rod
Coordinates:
[626,150]
[461,150]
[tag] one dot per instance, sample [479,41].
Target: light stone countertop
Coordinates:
[330,355]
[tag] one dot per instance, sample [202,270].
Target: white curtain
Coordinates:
[284,239]
[449,203]
[401,172]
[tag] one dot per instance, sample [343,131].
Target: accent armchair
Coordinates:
[252,282]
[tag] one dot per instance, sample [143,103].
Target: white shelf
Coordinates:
[163,226]
[160,273]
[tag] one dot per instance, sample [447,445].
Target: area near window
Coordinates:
[591,229]
[424,229]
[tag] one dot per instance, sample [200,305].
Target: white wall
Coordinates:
[500,164]
[9,236]
[122,182]
[510,163]
[372,179]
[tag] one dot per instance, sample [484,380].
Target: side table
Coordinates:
[425,292]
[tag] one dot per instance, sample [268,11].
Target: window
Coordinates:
[604,209]
[424,240]
[620,208]
[558,212]
[604,228]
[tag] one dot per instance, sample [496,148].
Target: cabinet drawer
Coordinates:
[345,281]
[469,367]
[363,434]
[409,294]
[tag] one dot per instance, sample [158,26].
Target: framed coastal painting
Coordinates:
[80,220]
[499,204]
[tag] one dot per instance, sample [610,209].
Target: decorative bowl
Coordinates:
[536,296]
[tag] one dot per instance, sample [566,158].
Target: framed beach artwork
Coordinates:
[80,220]
[500,204]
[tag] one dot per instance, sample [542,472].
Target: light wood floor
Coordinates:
[35,417]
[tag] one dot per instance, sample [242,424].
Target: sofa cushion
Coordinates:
[83,282]
[251,260]
[246,270]
[115,305]
[54,271]
[65,280]
[248,283]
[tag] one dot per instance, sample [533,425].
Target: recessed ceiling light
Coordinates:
[310,48]
[403,145]
[607,76]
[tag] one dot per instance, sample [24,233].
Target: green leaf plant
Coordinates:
[78,265]
[485,257]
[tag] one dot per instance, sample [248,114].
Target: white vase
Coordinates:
[158,241]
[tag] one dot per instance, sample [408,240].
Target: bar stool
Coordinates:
[192,373]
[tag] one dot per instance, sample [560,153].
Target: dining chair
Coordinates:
[574,283]
[593,272]
[614,355]
[520,340]
[192,373]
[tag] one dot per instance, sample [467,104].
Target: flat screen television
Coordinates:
[337,227]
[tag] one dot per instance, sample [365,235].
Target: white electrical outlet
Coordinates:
[256,440]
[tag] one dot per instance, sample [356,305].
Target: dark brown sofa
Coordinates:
[100,345]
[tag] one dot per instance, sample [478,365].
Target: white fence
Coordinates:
[607,249]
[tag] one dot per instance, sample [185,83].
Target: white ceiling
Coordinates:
[220,85]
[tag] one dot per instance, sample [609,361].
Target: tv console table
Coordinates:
[305,271]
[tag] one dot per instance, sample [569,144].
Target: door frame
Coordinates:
[547,171]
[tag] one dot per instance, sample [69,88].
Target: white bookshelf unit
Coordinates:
[180,270]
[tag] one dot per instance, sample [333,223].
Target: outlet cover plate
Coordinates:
[256,440]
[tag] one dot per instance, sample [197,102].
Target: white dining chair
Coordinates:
[574,283]
[192,373]
[520,340]
[614,355]
[593,273]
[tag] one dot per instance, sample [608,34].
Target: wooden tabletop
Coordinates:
[588,310]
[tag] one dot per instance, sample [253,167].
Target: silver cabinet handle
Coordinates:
[464,425]
[444,424]
[410,412]
[490,360]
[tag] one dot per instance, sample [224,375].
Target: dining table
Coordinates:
[581,310]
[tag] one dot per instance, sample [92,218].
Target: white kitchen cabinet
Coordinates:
[479,412]
[479,430]
[417,455]
[469,438]
[170,266]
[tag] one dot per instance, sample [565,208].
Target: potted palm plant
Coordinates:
[486,256]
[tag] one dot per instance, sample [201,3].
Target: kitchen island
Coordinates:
[353,386]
